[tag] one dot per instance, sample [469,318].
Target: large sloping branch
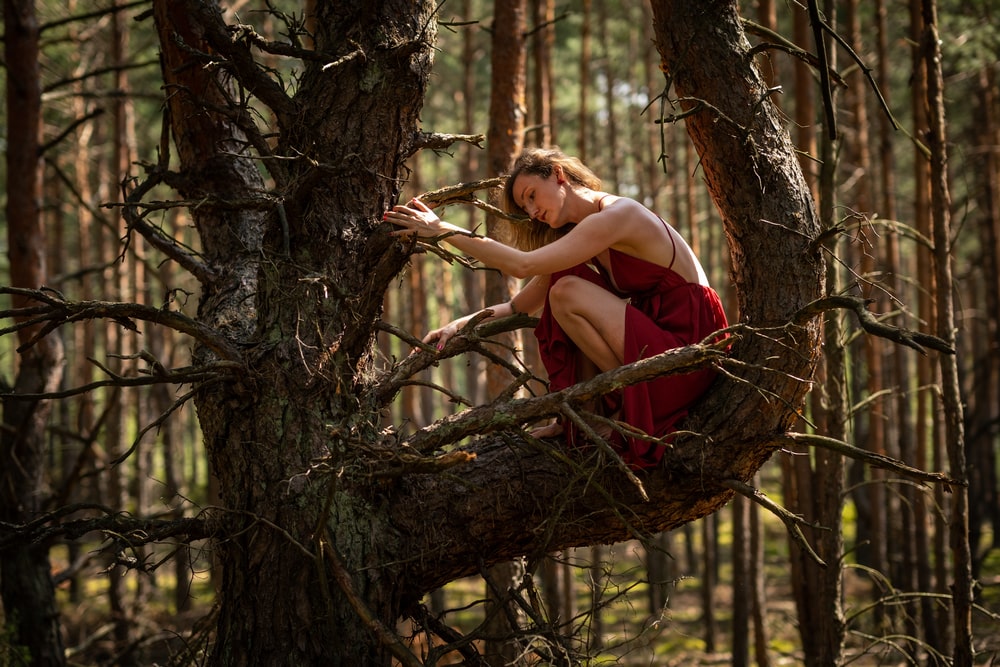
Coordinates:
[511,415]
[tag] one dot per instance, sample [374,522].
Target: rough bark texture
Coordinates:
[25,583]
[297,285]
[322,549]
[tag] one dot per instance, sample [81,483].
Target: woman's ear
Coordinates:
[558,171]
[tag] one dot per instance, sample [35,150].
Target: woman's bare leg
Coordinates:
[593,318]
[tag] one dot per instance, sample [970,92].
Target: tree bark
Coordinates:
[25,582]
[961,565]
[505,138]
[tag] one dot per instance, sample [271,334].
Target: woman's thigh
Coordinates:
[585,308]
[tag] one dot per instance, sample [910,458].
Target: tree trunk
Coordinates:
[505,138]
[961,567]
[298,540]
[25,582]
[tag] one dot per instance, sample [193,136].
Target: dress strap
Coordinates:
[673,241]
[600,202]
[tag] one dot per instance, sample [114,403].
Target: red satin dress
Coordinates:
[663,312]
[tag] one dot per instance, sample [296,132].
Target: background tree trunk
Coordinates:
[504,141]
[25,583]
[961,568]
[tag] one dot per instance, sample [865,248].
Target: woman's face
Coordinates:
[541,198]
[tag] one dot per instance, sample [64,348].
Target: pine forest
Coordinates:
[226,441]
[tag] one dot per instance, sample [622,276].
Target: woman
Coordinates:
[615,284]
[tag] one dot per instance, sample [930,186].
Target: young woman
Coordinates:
[613,281]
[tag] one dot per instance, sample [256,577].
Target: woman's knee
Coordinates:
[565,292]
[567,287]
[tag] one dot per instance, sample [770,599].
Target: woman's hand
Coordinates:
[445,333]
[416,218]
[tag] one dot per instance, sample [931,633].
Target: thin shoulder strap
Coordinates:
[673,242]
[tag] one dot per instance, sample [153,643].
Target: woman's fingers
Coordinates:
[414,219]
[442,336]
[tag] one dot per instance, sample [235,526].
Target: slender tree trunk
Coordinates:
[899,432]
[796,471]
[543,43]
[984,501]
[504,142]
[926,424]
[742,582]
[708,581]
[873,551]
[26,587]
[761,636]
[961,588]
[613,157]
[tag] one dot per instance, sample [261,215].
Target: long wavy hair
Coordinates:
[531,234]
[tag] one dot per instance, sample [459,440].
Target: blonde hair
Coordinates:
[532,234]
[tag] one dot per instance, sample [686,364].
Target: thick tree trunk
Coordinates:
[300,543]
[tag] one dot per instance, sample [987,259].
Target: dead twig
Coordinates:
[791,521]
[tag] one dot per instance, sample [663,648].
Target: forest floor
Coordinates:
[680,634]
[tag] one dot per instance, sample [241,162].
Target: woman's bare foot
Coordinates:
[548,431]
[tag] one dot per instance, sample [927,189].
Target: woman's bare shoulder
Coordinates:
[628,211]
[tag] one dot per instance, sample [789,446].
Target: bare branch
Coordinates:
[59,311]
[791,521]
[777,41]
[122,527]
[824,69]
[470,339]
[385,636]
[163,242]
[240,60]
[870,323]
[402,463]
[188,375]
[436,141]
[601,442]
[871,458]
[496,417]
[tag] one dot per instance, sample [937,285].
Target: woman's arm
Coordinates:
[529,299]
[589,238]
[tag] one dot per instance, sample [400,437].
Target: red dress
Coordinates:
[664,311]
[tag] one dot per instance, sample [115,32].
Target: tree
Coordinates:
[330,527]
[25,584]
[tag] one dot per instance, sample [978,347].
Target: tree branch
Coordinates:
[156,237]
[778,42]
[58,311]
[496,417]
[871,458]
[240,61]
[824,69]
[121,527]
[472,338]
[868,322]
[440,142]
[791,521]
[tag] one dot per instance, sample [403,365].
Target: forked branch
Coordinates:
[913,339]
[792,521]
